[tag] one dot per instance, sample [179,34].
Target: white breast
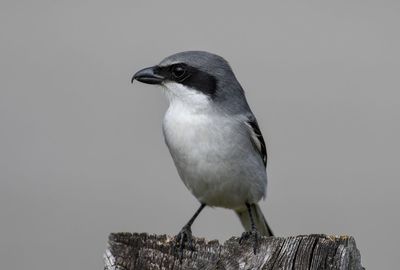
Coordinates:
[214,157]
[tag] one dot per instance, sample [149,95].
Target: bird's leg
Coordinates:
[253,233]
[184,237]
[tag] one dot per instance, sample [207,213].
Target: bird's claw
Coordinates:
[252,235]
[184,239]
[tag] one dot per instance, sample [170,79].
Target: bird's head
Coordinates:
[193,76]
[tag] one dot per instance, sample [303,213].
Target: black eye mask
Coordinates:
[189,76]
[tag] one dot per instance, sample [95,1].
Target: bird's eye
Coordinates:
[178,71]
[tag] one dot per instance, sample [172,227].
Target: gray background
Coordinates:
[82,152]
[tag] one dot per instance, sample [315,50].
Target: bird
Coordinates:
[213,137]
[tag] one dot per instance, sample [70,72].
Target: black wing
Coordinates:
[257,139]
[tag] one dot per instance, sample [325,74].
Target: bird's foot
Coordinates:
[183,239]
[252,235]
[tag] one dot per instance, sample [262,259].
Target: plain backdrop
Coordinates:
[82,152]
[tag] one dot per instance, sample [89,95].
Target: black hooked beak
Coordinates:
[148,75]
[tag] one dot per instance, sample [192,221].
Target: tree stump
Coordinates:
[127,251]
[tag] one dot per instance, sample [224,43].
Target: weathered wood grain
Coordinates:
[128,251]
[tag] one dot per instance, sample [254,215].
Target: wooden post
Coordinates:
[142,251]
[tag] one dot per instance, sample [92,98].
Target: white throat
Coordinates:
[182,96]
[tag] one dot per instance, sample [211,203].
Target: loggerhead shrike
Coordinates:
[213,138]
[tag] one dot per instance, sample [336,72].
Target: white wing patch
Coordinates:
[257,139]
[254,137]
